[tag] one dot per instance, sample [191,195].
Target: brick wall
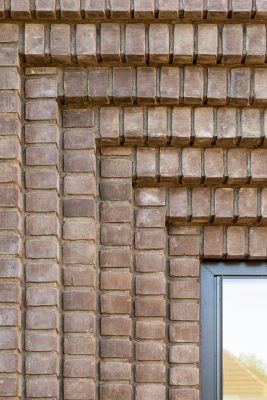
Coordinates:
[133,145]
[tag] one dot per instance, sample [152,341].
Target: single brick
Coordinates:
[261,11]
[184,245]
[260,86]
[49,364]
[42,201]
[184,311]
[183,52]
[47,319]
[232,44]
[79,275]
[78,118]
[257,241]
[168,9]
[95,9]
[193,85]
[217,93]
[110,42]
[42,109]
[78,139]
[193,9]
[191,165]
[256,44]
[217,9]
[42,272]
[79,345]
[45,9]
[169,85]
[150,307]
[42,225]
[116,190]
[79,300]
[84,185]
[78,389]
[122,85]
[60,43]
[178,204]
[44,387]
[75,85]
[79,252]
[150,262]
[146,164]
[214,165]
[236,241]
[159,43]
[144,9]
[120,9]
[157,128]
[150,330]
[146,85]
[150,197]
[150,239]
[116,235]
[150,285]
[79,368]
[251,126]
[135,43]
[169,164]
[79,161]
[86,43]
[45,156]
[70,9]
[157,392]
[110,124]
[116,212]
[42,178]
[116,326]
[98,85]
[20,9]
[207,43]
[247,205]
[184,332]
[213,241]
[237,166]
[181,125]
[204,125]
[150,373]
[114,371]
[34,43]
[111,280]
[201,204]
[241,9]
[258,165]
[41,87]
[224,205]
[75,322]
[150,217]
[115,391]
[150,351]
[184,376]
[115,304]
[184,354]
[184,289]
[240,86]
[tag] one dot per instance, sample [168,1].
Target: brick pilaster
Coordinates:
[10,215]
[79,254]
[42,366]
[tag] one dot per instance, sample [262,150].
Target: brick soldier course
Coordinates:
[133,145]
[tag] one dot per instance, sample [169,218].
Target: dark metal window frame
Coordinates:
[211,277]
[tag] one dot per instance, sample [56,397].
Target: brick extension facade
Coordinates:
[133,145]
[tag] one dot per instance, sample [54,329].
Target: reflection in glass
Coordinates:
[244,339]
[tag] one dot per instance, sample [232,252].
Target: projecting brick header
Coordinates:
[133,145]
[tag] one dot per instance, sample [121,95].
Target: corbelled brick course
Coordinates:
[132,147]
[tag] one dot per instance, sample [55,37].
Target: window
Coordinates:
[234,331]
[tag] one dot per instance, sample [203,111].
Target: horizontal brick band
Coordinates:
[145,44]
[136,10]
[150,85]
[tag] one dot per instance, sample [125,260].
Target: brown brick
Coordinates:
[150,218]
[258,165]
[79,161]
[150,197]
[135,43]
[184,245]
[42,178]
[184,290]
[150,307]
[157,125]
[150,351]
[70,9]
[79,252]
[183,44]
[116,326]
[86,43]
[261,9]
[42,248]
[214,166]
[47,155]
[247,205]
[95,9]
[122,85]
[10,220]
[146,164]
[150,262]
[168,9]
[116,348]
[232,44]
[159,43]
[116,280]
[45,9]
[237,166]
[144,10]
[115,212]
[110,42]
[79,300]
[83,230]
[116,391]
[48,319]
[146,85]
[9,363]
[191,167]
[193,9]
[79,368]
[224,205]
[157,392]
[184,311]
[34,43]
[201,203]
[184,332]
[79,275]
[110,124]
[241,9]
[120,9]
[217,9]
[75,85]
[116,235]
[78,138]
[41,133]
[150,373]
[257,241]
[42,225]
[150,330]
[49,364]
[77,389]
[75,322]
[115,304]
[10,245]
[193,85]
[60,43]
[20,9]
[42,201]
[44,387]
[256,44]
[151,285]
[115,258]
[9,33]
[114,371]
[184,354]
[150,239]
[184,376]
[45,109]
[240,86]
[83,185]
[181,125]
[79,208]
[226,129]
[213,241]
[236,242]
[79,345]
[42,272]
[9,197]
[217,91]
[169,85]
[207,43]
[41,87]
[184,267]
[78,118]
[203,126]
[184,394]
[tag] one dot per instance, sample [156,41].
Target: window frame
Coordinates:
[211,276]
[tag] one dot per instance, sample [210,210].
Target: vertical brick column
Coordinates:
[42,234]
[79,254]
[184,312]
[150,294]
[116,279]
[10,214]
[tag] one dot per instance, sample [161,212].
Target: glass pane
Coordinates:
[244,339]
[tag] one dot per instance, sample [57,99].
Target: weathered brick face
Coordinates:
[132,146]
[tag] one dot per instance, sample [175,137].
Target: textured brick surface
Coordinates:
[135,148]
